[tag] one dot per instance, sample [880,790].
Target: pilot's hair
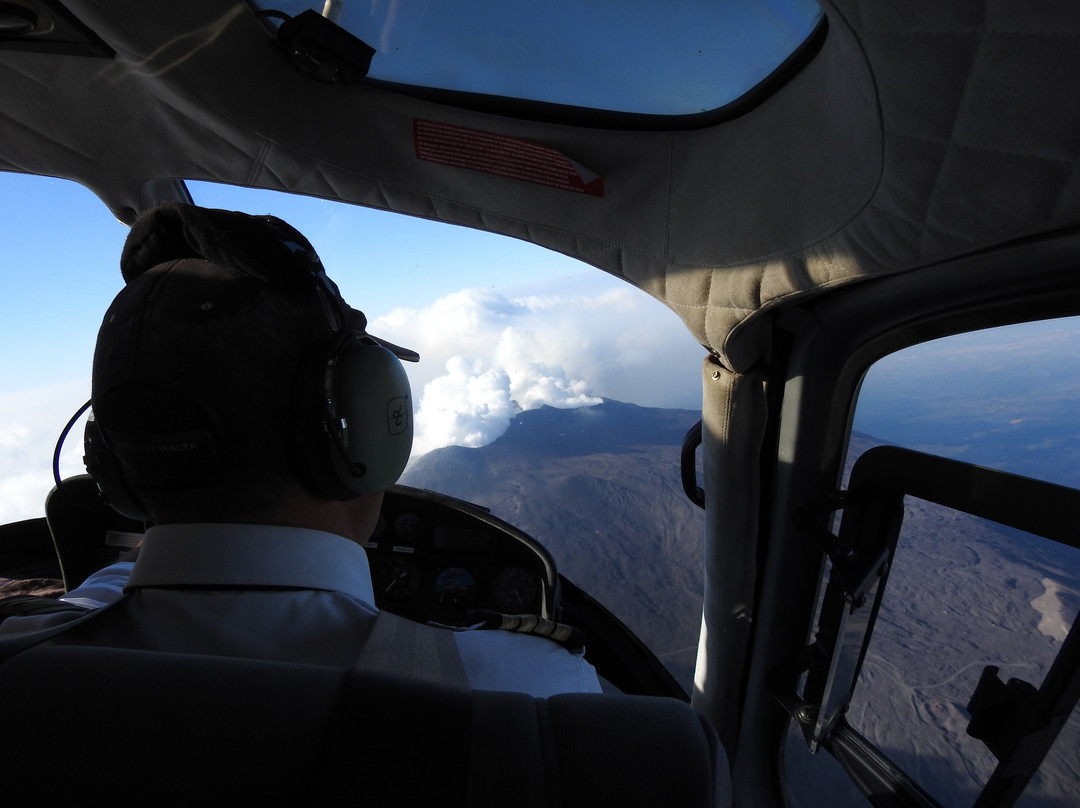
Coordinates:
[194,383]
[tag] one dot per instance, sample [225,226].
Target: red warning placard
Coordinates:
[504,156]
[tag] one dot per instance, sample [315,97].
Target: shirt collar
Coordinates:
[267,556]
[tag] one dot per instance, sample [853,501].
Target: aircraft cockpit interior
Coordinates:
[749,341]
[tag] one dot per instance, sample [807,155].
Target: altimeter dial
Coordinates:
[397,578]
[514,590]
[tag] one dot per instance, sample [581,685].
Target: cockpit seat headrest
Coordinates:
[160,728]
[87,534]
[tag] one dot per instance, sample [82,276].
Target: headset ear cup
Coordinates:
[102,465]
[372,430]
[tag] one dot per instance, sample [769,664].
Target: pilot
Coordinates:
[243,411]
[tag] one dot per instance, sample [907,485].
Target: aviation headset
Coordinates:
[354,415]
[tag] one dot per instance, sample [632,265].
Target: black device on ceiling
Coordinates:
[324,51]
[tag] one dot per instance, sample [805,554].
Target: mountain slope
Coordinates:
[600,487]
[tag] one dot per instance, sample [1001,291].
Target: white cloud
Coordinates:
[486,355]
[446,417]
[30,423]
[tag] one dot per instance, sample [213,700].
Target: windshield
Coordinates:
[549,392]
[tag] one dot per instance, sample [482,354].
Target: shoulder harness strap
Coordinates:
[571,638]
[411,651]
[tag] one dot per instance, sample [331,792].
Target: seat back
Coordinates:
[86,532]
[155,728]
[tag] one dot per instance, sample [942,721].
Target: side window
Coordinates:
[1005,398]
[965,593]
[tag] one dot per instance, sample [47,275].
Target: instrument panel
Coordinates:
[436,559]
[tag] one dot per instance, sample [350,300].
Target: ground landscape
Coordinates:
[963,594]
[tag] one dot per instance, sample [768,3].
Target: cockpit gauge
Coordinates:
[455,586]
[409,527]
[396,578]
[514,590]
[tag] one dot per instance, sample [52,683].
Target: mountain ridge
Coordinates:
[601,488]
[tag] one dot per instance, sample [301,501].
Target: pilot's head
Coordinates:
[229,375]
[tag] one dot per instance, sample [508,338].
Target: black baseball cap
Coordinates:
[207,292]
[264,248]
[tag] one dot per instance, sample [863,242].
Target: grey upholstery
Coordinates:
[158,729]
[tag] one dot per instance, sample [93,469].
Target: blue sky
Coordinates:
[63,248]
[500,323]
